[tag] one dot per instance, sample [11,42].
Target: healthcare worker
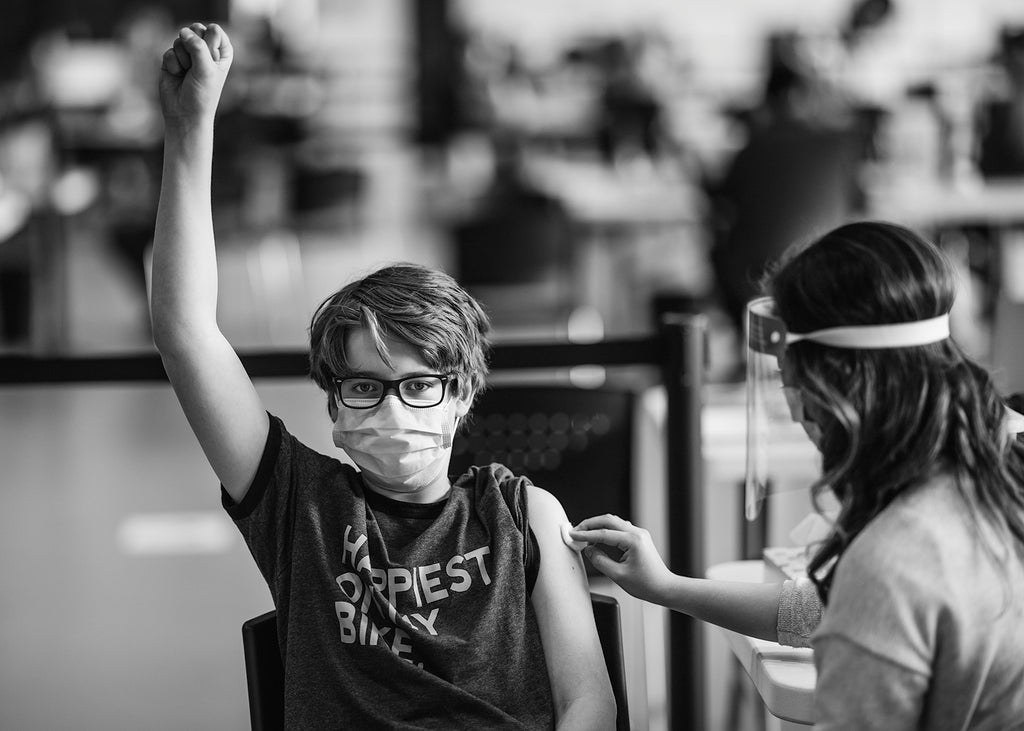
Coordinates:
[921,578]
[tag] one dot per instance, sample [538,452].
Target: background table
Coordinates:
[784,676]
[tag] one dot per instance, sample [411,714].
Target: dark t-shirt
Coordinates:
[397,615]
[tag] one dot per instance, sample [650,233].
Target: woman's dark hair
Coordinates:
[890,418]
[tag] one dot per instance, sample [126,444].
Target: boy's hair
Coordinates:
[891,417]
[414,304]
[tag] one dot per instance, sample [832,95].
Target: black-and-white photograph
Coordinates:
[476,364]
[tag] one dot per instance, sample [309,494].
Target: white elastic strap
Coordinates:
[896,335]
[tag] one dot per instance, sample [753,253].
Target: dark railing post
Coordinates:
[684,376]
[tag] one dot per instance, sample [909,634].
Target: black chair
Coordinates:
[608,619]
[577,443]
[264,672]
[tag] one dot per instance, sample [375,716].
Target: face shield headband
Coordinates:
[775,414]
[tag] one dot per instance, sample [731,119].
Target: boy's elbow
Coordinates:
[164,323]
[593,712]
[168,336]
[179,318]
[609,709]
[605,706]
[172,336]
[608,713]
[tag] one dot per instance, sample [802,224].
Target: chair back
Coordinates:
[608,619]
[264,671]
[576,443]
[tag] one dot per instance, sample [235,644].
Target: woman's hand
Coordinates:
[744,607]
[625,554]
[192,75]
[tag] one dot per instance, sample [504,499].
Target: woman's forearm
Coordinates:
[748,608]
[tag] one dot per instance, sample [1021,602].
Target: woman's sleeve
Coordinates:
[799,613]
[857,689]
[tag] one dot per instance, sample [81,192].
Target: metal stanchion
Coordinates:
[684,337]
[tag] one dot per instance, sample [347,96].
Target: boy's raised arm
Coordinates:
[213,388]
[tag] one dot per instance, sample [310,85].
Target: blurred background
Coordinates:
[583,168]
[612,163]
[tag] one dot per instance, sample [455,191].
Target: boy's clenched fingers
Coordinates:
[217,41]
[181,54]
[171,64]
[192,45]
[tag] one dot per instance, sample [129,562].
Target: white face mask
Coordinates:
[405,448]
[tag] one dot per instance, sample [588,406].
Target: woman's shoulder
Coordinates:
[918,569]
[911,541]
[927,511]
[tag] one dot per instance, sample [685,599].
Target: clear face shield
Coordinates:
[778,427]
[775,435]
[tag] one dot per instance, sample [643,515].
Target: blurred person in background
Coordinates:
[514,245]
[996,153]
[795,176]
[631,114]
[1000,116]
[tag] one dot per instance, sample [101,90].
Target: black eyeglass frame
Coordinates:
[393,385]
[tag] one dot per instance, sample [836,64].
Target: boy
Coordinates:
[404,601]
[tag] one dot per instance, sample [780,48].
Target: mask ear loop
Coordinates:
[451,425]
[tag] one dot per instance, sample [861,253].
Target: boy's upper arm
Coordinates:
[222,407]
[561,599]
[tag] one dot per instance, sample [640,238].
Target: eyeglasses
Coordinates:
[419,392]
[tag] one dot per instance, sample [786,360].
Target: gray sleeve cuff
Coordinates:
[799,613]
